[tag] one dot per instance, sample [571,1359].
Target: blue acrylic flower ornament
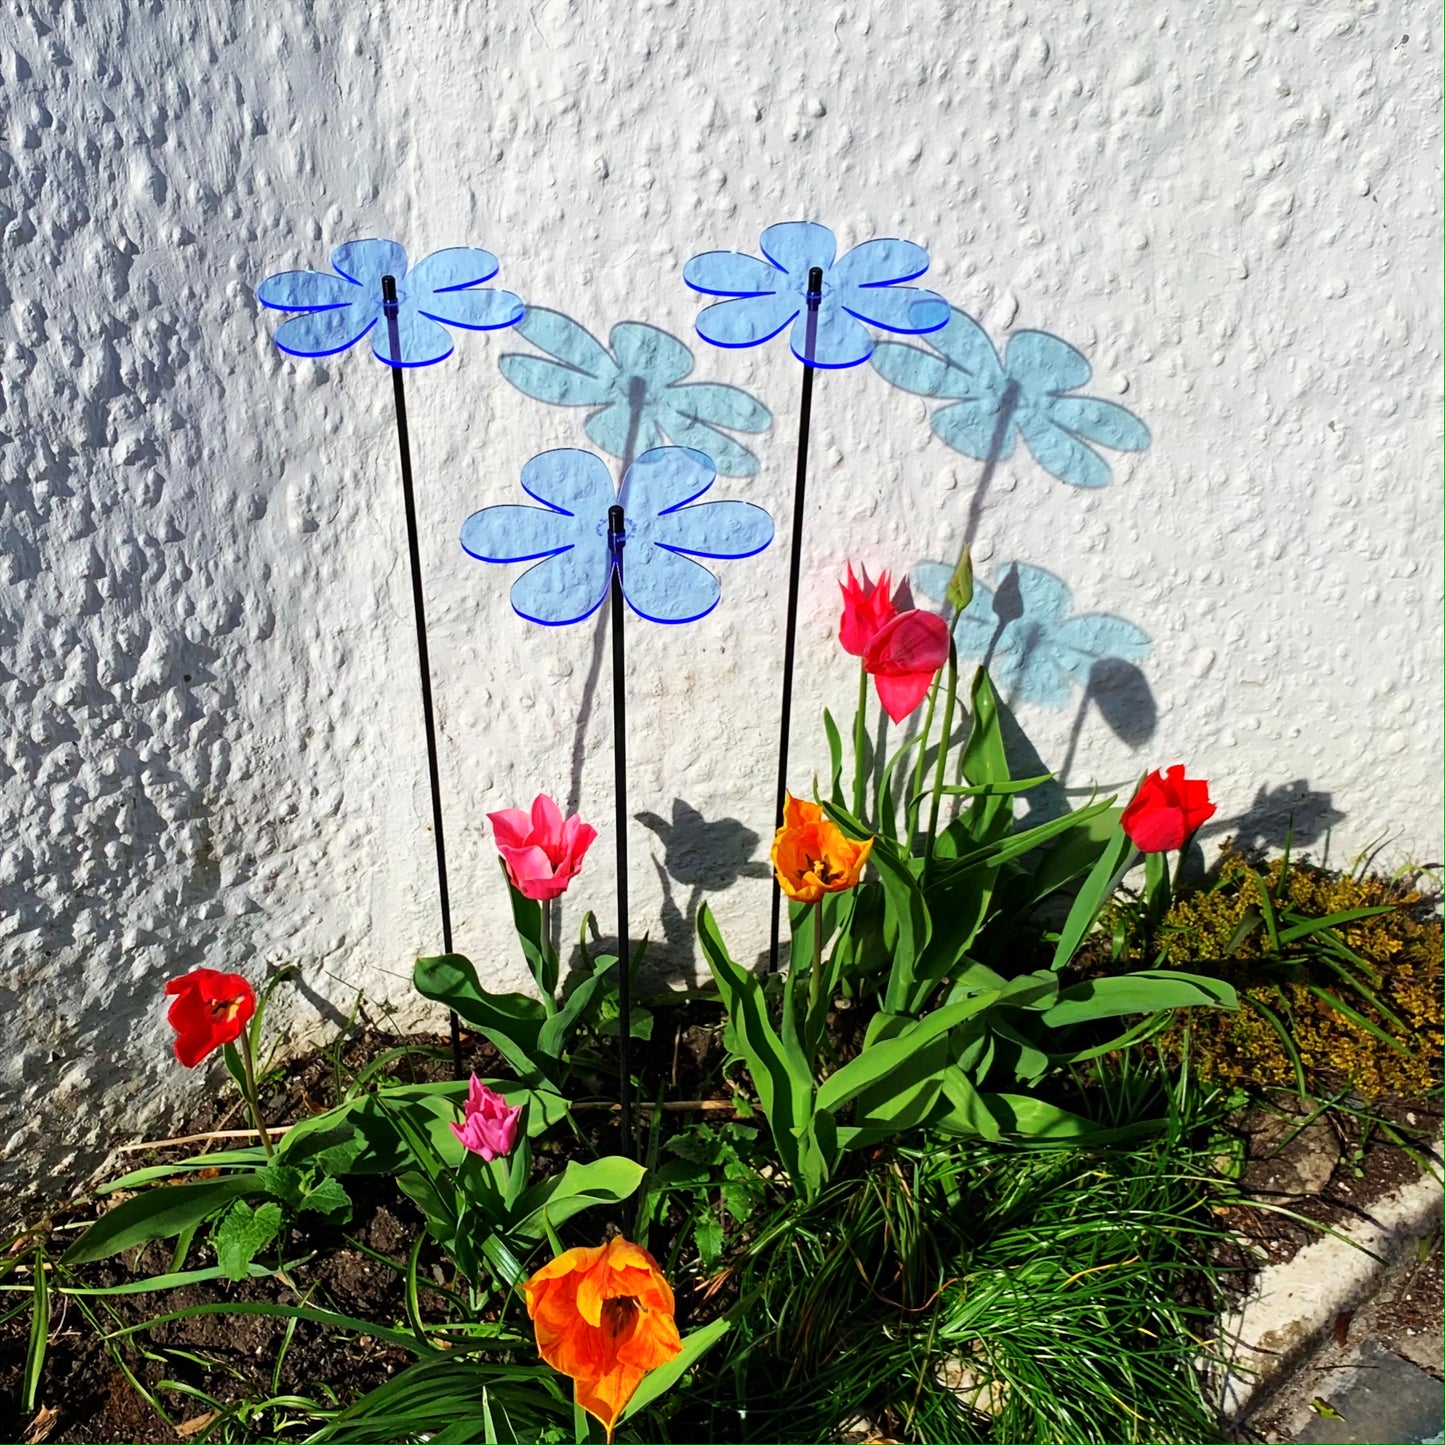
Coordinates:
[567,536]
[864,286]
[1022,630]
[444,289]
[1032,384]
[636,389]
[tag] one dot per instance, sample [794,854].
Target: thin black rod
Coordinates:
[398,391]
[795,561]
[616,536]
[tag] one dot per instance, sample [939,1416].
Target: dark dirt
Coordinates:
[1369,1166]
[86,1395]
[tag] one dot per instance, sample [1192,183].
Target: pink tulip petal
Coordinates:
[511,827]
[546,822]
[530,870]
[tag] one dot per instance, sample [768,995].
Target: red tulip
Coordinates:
[210,1009]
[903,657]
[1166,810]
[867,608]
[541,851]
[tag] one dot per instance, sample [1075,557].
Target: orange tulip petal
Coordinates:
[603,1317]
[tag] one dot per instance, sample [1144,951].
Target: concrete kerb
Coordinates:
[1293,1305]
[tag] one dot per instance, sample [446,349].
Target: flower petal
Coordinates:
[566,588]
[366,262]
[1043,599]
[748,320]
[306,291]
[514,533]
[651,353]
[713,529]
[663,478]
[481,309]
[562,337]
[510,827]
[1042,362]
[972,427]
[665,586]
[553,383]
[797,246]
[324,333]
[731,458]
[901,692]
[546,822]
[730,273]
[572,481]
[884,261]
[1100,422]
[924,373]
[531,872]
[907,309]
[452,269]
[1060,453]
[1097,635]
[840,340]
[966,346]
[415,340]
[913,641]
[717,405]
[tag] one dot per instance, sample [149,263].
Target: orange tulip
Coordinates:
[812,857]
[603,1318]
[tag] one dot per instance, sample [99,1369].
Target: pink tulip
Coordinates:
[542,853]
[903,657]
[490,1127]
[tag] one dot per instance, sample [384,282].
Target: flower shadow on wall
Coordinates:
[636,390]
[1038,652]
[637,399]
[705,858]
[1027,394]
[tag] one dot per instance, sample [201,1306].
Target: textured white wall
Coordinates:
[212,743]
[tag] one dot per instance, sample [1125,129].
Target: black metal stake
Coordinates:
[617,539]
[398,388]
[805,415]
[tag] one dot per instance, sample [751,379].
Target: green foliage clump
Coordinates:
[1355,1004]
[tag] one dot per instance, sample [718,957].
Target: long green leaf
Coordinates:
[1147,991]
[450,979]
[553,1036]
[158,1214]
[39,1334]
[835,758]
[906,926]
[404,1339]
[784,1082]
[657,1382]
[895,1056]
[1315,925]
[1104,877]
[605,1181]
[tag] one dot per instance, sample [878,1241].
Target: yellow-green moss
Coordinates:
[1403,946]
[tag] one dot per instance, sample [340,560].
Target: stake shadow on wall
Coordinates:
[636,396]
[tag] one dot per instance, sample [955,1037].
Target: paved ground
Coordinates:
[1376,1379]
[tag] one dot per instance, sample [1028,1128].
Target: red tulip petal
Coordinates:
[915,641]
[901,692]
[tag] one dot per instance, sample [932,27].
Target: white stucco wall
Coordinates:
[212,742]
